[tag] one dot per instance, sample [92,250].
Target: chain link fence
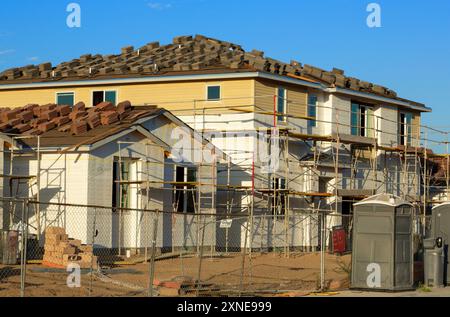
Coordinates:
[75,250]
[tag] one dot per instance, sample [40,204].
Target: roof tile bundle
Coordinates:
[186,53]
[77,120]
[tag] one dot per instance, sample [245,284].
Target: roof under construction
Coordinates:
[66,126]
[186,55]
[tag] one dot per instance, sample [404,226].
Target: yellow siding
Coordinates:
[298,99]
[416,128]
[266,90]
[180,97]
[264,95]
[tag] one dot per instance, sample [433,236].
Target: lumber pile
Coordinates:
[60,250]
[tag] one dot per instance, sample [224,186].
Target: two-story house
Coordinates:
[300,139]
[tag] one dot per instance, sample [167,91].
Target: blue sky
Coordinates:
[410,53]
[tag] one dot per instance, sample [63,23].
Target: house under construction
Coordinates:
[296,140]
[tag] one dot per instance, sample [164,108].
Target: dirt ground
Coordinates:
[220,276]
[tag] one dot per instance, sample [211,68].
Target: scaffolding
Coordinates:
[353,159]
[333,168]
[22,183]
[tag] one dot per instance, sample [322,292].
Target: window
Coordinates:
[213,93]
[65,98]
[281,104]
[405,129]
[362,120]
[185,194]
[101,96]
[278,198]
[312,110]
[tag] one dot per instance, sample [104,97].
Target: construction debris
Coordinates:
[60,251]
[177,286]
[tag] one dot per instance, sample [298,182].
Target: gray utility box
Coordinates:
[440,228]
[433,263]
[382,256]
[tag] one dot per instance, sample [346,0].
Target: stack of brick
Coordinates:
[60,250]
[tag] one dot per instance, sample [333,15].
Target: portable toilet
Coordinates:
[440,228]
[382,257]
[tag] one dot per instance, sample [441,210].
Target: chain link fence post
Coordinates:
[153,256]
[24,240]
[198,283]
[322,250]
[244,253]
[94,235]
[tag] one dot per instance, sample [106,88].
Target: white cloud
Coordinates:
[159,6]
[6,52]
[33,59]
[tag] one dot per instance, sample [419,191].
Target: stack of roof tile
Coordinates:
[33,119]
[186,53]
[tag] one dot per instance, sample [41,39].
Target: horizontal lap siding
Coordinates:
[266,90]
[177,96]
[298,102]
[416,128]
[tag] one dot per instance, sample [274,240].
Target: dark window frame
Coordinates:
[103,97]
[65,94]
[218,93]
[281,104]
[361,128]
[312,111]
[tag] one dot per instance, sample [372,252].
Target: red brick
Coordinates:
[76,115]
[63,110]
[78,127]
[59,121]
[26,116]
[105,106]
[49,115]
[80,106]
[47,126]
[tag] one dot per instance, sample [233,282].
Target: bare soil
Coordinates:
[264,273]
